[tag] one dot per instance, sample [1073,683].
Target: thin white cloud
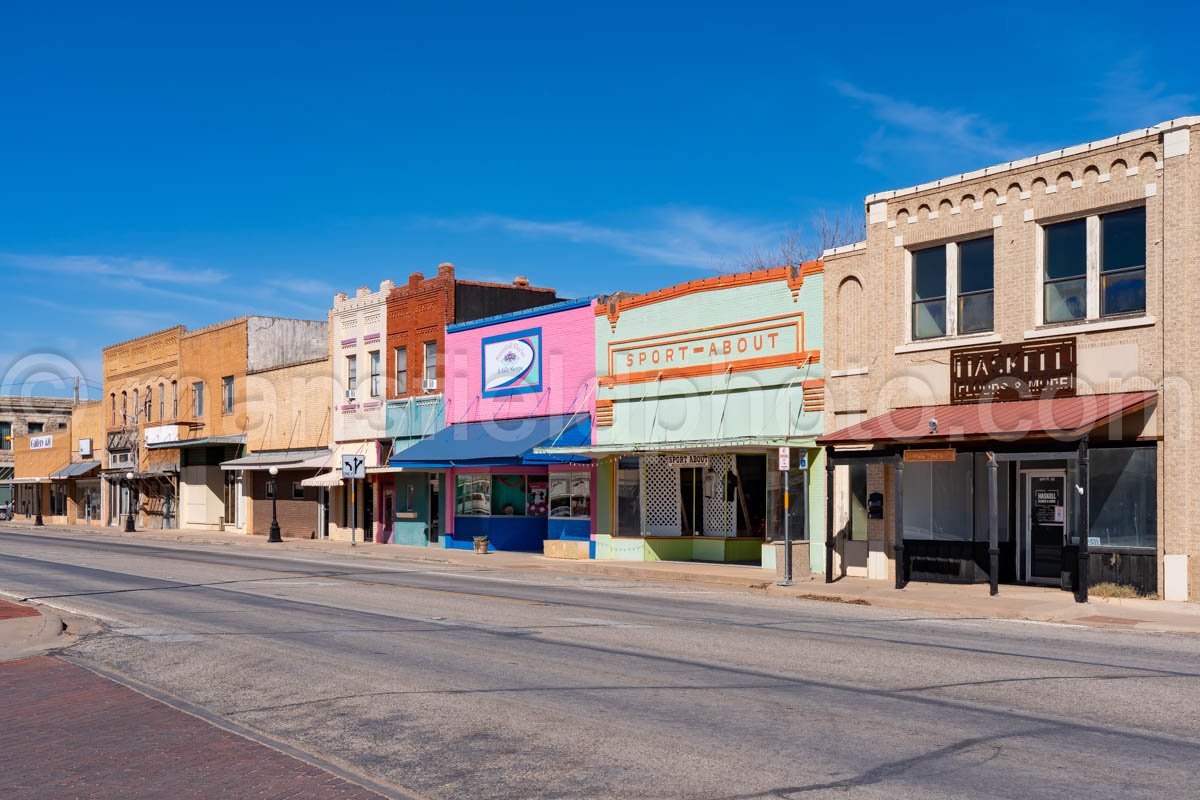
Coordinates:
[1128,99]
[929,136]
[670,237]
[301,286]
[137,269]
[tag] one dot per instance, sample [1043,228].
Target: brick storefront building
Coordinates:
[1011,371]
[20,416]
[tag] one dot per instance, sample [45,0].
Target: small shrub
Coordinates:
[1114,591]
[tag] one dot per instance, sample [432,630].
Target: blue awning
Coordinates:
[499,443]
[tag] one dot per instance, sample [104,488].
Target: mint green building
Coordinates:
[699,387]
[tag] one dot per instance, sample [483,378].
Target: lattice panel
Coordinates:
[718,513]
[660,482]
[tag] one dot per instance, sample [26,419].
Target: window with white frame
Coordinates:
[351,377]
[431,361]
[401,370]
[198,399]
[1094,267]
[953,289]
[376,373]
[227,394]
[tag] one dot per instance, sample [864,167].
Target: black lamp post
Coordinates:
[274,538]
[129,502]
[37,505]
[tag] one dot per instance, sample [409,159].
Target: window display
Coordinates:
[571,495]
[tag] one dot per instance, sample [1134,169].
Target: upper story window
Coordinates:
[976,285]
[376,373]
[198,399]
[136,407]
[124,408]
[162,401]
[431,361]
[1094,266]
[112,402]
[5,436]
[36,427]
[1066,271]
[149,407]
[351,376]
[227,395]
[401,370]
[1123,262]
[174,400]
[953,289]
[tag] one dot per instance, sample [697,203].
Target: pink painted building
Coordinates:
[515,383]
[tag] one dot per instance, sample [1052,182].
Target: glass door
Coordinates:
[1046,527]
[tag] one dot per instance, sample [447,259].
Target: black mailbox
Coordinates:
[875,505]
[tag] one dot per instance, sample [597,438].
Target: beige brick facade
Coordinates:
[874,365]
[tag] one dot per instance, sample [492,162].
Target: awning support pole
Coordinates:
[993,527]
[898,493]
[829,468]
[1081,590]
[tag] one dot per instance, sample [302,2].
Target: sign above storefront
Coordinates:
[85,448]
[681,459]
[1025,371]
[161,434]
[758,344]
[926,456]
[41,442]
[512,363]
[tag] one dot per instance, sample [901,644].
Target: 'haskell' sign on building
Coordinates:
[1023,371]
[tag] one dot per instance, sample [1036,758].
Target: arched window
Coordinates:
[851,328]
[162,402]
[124,408]
[137,408]
[112,404]
[149,404]
[174,400]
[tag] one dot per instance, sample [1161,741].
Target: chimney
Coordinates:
[446,270]
[414,280]
[386,286]
[521,282]
[363,291]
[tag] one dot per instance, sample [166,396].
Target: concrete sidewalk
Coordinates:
[26,630]
[1029,603]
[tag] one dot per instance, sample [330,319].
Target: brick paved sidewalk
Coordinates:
[70,733]
[13,611]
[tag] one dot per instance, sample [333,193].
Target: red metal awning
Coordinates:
[1059,417]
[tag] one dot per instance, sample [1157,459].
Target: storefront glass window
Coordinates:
[571,495]
[1123,498]
[629,497]
[473,495]
[938,500]
[858,503]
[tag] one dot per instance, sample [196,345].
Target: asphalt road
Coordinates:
[457,682]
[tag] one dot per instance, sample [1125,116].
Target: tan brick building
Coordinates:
[288,428]
[142,396]
[20,416]
[1028,330]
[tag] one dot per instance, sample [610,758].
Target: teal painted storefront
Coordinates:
[699,385]
[411,501]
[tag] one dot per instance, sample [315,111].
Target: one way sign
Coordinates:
[354,467]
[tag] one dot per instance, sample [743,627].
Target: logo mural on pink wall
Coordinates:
[512,363]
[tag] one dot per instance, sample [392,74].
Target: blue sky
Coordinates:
[169,162]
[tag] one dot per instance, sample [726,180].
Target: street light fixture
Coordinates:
[129,501]
[37,505]
[274,538]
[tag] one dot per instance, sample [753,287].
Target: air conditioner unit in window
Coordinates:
[429,385]
[350,394]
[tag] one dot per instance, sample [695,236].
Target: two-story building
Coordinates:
[1009,373]
[418,313]
[21,416]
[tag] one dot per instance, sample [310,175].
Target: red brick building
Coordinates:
[419,311]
